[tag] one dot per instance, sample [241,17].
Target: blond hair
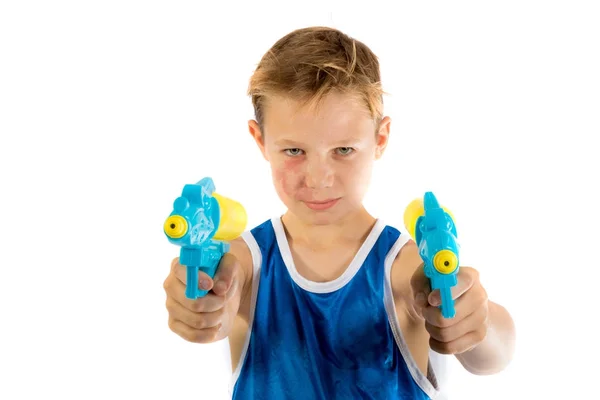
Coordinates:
[308,63]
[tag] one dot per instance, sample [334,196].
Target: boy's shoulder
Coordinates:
[265,225]
[262,234]
[245,247]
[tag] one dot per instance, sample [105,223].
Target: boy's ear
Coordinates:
[258,136]
[383,135]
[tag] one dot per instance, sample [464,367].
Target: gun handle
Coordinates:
[192,291]
[205,259]
[447,306]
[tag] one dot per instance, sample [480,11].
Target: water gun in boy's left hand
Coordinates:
[433,228]
[201,223]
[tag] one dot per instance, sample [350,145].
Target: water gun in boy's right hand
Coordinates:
[201,223]
[433,229]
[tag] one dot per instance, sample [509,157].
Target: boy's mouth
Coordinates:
[321,205]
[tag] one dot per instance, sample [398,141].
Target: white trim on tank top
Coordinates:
[344,278]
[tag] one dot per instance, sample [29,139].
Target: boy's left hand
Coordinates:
[469,326]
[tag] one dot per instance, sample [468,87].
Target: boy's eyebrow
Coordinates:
[340,143]
[288,143]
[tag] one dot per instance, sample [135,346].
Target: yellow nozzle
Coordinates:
[445,261]
[233,218]
[413,211]
[175,226]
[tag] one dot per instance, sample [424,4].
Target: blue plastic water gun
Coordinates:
[433,229]
[201,223]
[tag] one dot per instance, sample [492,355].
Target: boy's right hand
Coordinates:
[209,318]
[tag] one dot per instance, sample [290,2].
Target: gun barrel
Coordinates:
[176,226]
[445,261]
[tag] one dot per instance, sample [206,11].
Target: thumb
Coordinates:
[226,274]
[420,286]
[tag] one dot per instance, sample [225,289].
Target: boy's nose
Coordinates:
[319,175]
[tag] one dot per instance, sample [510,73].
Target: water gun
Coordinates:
[433,229]
[201,223]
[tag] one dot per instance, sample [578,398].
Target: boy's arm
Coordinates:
[496,350]
[412,324]
[239,249]
[243,275]
[481,335]
[239,308]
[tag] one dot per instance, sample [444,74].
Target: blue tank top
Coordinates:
[325,340]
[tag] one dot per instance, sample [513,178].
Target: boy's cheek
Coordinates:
[357,179]
[286,178]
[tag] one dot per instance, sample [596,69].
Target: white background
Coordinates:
[108,108]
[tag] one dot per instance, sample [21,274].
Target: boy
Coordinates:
[326,301]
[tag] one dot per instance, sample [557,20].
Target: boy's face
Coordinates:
[321,160]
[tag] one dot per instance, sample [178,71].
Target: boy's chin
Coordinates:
[320,219]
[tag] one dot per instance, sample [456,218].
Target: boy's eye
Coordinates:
[344,150]
[293,152]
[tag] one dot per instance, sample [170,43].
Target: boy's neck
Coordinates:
[354,227]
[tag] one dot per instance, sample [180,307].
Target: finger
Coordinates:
[466,278]
[474,321]
[209,303]
[194,335]
[465,305]
[420,286]
[180,271]
[233,289]
[192,319]
[226,274]
[462,344]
